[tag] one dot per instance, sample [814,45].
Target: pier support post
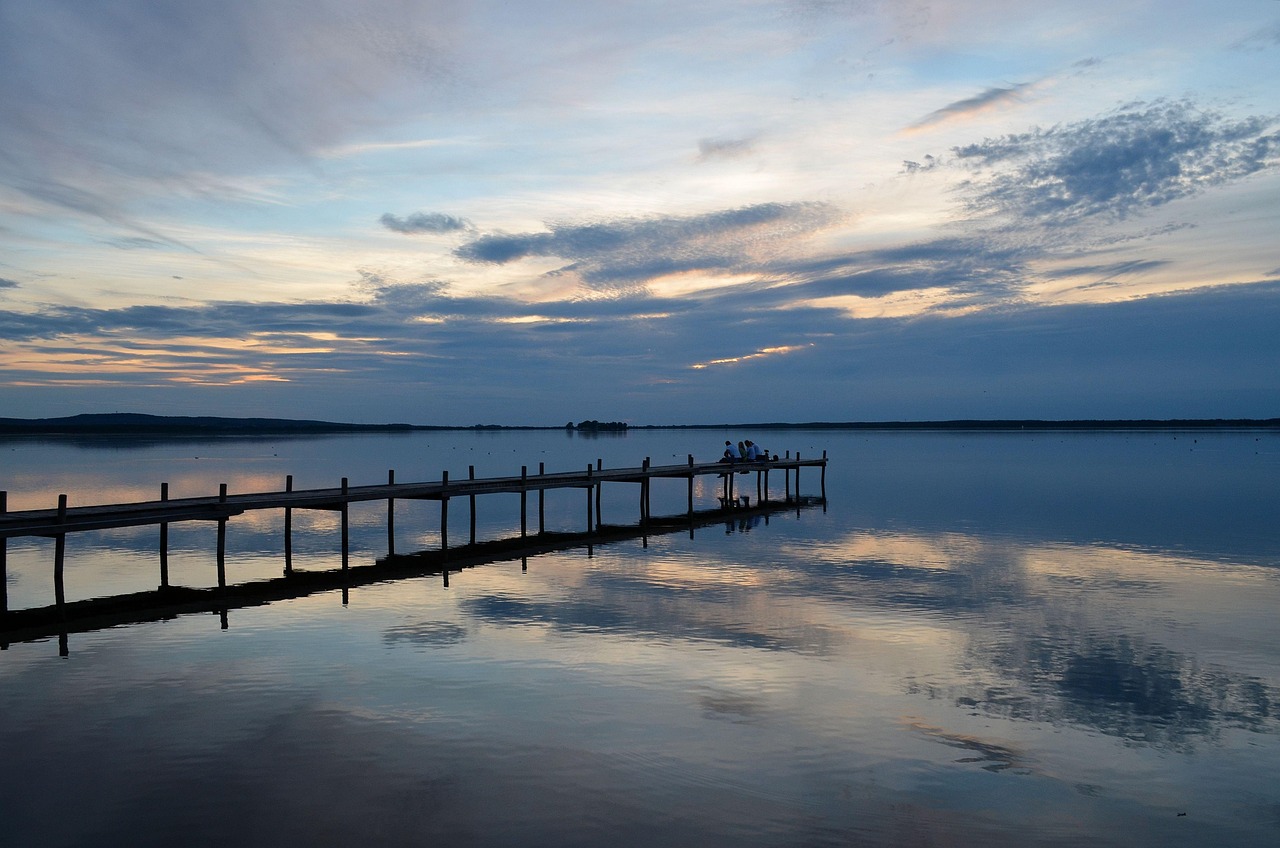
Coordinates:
[471,475]
[823,477]
[391,515]
[590,495]
[288,530]
[59,556]
[4,562]
[59,589]
[222,553]
[644,482]
[344,523]
[444,520]
[164,542]
[599,490]
[524,502]
[542,501]
[691,488]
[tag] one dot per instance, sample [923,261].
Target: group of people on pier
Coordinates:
[745,451]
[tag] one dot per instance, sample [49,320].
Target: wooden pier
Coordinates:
[65,519]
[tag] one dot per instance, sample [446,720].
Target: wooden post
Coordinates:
[759,482]
[222,546]
[648,464]
[524,502]
[797,478]
[823,476]
[644,492]
[691,488]
[590,518]
[542,505]
[471,475]
[787,472]
[59,556]
[4,561]
[444,520]
[164,542]
[599,489]
[766,485]
[391,515]
[222,553]
[344,523]
[288,530]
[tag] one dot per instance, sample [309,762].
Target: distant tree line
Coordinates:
[593,426]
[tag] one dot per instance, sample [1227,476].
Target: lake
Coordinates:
[982,638]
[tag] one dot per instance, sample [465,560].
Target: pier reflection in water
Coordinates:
[996,640]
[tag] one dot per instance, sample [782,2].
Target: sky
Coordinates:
[529,213]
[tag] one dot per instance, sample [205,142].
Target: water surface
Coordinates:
[984,639]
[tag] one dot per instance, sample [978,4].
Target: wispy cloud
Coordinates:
[620,252]
[8,284]
[988,100]
[1137,157]
[724,148]
[425,222]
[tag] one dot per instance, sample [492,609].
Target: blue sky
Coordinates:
[470,212]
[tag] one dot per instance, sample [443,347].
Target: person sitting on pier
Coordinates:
[750,452]
[731,452]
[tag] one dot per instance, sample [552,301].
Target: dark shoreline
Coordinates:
[129,424]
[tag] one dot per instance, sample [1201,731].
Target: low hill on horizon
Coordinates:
[135,423]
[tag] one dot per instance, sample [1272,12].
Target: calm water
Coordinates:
[984,639]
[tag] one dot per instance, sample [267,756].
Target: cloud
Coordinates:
[104,104]
[136,243]
[1138,157]
[1260,39]
[620,252]
[990,99]
[1110,271]
[425,222]
[912,167]
[8,284]
[724,148]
